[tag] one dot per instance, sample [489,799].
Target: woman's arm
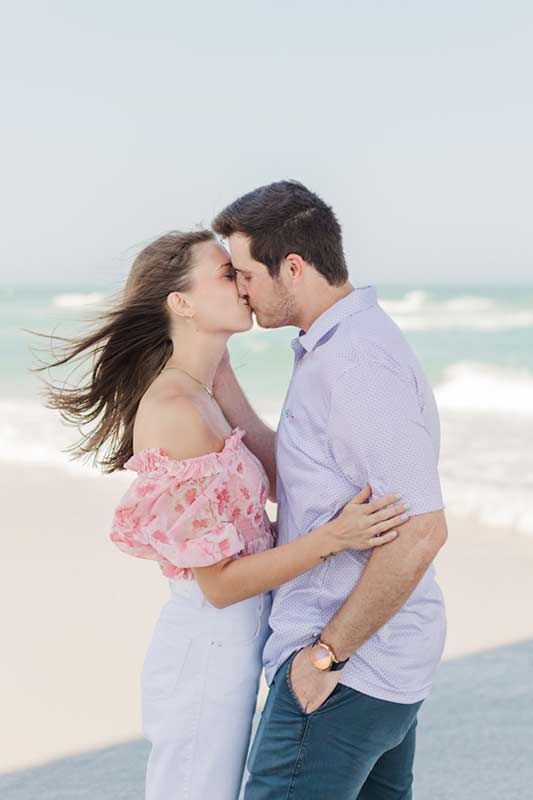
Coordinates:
[360,526]
[176,425]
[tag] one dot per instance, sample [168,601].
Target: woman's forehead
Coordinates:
[212,257]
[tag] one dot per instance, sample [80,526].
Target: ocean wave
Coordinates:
[77,299]
[494,505]
[32,434]
[486,463]
[486,388]
[417,310]
[420,310]
[486,468]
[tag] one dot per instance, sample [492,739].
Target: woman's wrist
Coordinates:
[328,542]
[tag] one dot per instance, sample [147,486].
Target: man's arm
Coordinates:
[387,438]
[239,413]
[390,577]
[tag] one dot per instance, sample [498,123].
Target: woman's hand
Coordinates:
[362,525]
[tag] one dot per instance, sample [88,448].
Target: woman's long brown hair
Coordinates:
[127,348]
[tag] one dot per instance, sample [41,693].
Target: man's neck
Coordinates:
[327,298]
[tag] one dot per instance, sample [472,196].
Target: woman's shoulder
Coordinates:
[172,436]
[175,424]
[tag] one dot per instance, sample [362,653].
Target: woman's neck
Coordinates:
[199,354]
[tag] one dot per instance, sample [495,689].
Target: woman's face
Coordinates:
[216,304]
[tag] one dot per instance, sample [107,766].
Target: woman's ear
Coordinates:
[180,305]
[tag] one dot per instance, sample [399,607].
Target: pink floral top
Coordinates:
[194,512]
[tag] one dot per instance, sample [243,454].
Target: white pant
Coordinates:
[199,690]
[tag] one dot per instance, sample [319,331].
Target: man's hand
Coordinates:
[311,687]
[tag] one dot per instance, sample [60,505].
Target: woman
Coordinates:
[196,506]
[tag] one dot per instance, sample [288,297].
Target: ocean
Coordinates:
[475,343]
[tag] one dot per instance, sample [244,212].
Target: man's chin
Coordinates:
[267,324]
[259,320]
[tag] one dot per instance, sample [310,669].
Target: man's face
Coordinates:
[271,299]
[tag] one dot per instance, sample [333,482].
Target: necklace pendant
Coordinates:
[207,389]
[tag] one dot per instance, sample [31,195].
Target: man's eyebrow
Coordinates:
[244,271]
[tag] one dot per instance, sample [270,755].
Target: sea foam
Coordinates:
[420,310]
[77,299]
[486,388]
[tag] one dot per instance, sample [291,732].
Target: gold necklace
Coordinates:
[207,389]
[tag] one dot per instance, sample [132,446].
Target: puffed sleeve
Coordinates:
[182,521]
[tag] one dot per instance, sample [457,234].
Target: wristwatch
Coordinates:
[324,658]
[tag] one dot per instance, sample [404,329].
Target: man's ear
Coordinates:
[296,265]
[180,305]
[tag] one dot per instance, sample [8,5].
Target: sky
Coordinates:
[122,120]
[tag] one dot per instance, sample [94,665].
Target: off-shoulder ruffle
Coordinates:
[194,512]
[155,462]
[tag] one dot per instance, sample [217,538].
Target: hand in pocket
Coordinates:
[310,687]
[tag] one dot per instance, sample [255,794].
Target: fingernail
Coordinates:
[398,496]
[394,533]
[405,516]
[407,505]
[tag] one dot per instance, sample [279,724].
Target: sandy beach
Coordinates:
[77,614]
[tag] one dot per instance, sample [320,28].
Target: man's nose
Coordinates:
[241,288]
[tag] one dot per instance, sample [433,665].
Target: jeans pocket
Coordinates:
[337,690]
[240,623]
[164,662]
[289,684]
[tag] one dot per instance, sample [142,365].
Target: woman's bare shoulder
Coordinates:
[175,424]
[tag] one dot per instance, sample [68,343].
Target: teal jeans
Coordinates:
[354,747]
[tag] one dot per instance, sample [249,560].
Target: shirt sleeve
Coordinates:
[377,434]
[185,523]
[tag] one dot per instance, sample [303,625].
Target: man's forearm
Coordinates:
[390,577]
[239,413]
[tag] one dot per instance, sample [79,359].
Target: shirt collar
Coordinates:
[358,300]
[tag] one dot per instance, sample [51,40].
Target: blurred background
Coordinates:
[122,121]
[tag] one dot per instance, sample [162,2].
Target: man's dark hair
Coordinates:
[282,218]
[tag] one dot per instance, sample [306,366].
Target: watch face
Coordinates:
[321,657]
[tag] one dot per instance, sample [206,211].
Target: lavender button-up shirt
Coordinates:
[359,408]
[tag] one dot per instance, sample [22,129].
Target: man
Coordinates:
[355,642]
